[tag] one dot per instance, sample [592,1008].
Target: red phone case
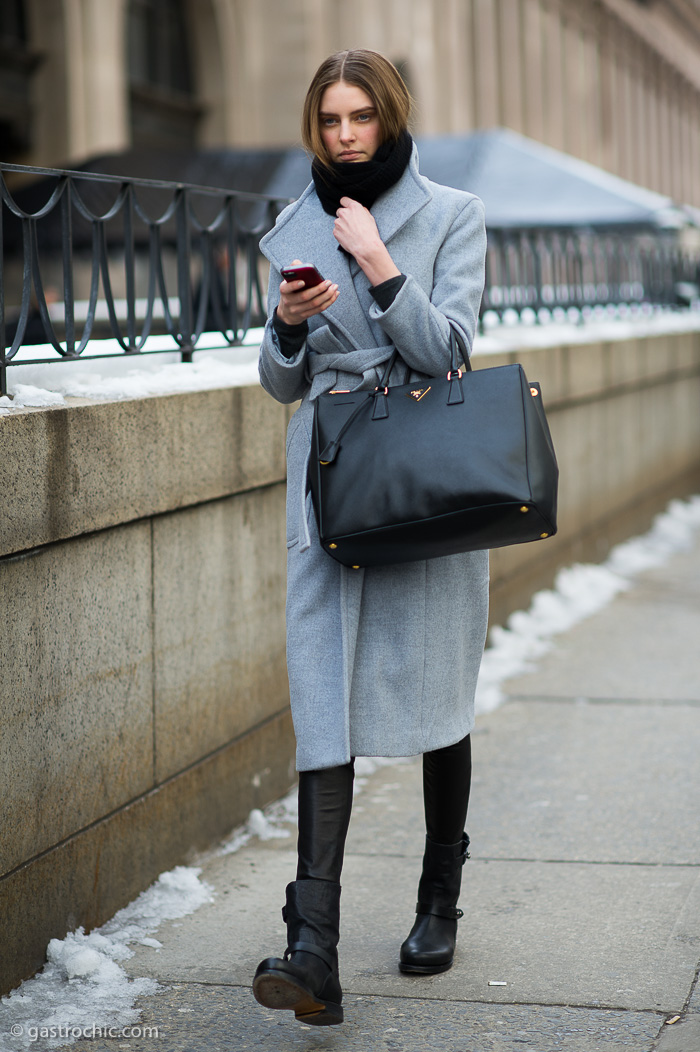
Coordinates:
[309,275]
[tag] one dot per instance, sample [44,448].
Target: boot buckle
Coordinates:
[432,908]
[313,948]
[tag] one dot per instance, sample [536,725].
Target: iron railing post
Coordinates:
[67,254]
[184,284]
[129,270]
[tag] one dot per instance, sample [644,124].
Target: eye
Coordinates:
[327,122]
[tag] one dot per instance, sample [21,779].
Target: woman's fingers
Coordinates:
[355,228]
[313,301]
[297,303]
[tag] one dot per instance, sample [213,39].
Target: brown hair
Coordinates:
[372,72]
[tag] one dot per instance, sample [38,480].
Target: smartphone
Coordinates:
[306,273]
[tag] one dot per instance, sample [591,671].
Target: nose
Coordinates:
[346,131]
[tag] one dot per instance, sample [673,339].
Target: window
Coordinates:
[17,64]
[164,112]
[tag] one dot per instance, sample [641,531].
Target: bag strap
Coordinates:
[456,341]
[380,411]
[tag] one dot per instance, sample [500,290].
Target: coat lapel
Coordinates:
[399,204]
[305,232]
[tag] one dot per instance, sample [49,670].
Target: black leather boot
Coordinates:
[306,980]
[430,946]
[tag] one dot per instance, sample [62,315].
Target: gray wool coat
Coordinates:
[382,661]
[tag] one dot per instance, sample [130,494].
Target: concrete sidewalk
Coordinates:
[582,894]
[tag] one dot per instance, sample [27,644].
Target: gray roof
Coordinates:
[525,184]
[521,182]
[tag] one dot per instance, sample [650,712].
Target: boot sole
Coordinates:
[424,969]
[273,990]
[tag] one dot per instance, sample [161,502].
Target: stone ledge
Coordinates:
[87,466]
[95,464]
[584,372]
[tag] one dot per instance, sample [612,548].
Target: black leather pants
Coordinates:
[447,775]
[325,803]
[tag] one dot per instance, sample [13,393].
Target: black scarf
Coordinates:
[363,181]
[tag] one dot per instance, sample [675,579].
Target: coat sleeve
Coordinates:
[418,324]
[283,378]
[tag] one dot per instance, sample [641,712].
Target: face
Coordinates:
[349,123]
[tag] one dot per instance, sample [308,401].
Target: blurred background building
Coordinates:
[614,82]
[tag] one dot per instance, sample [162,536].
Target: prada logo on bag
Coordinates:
[418,393]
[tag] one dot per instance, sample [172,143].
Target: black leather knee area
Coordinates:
[447,775]
[325,804]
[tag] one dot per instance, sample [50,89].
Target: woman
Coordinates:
[382,661]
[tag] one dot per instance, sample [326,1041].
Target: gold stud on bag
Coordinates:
[475,468]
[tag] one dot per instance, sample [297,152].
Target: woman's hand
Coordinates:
[356,231]
[297,303]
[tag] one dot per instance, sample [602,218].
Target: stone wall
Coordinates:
[142,568]
[144,693]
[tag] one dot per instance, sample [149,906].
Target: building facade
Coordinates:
[614,82]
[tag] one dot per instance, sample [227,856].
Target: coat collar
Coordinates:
[400,203]
[305,231]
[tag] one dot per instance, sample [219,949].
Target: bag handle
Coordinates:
[456,341]
[381,410]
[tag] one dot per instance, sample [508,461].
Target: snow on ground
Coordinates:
[83,991]
[126,376]
[566,330]
[274,821]
[578,592]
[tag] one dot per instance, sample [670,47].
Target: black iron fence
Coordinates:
[86,256]
[581,272]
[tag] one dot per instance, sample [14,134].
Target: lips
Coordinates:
[350,155]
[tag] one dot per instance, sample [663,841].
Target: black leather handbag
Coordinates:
[444,465]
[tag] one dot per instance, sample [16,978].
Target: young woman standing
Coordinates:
[382,661]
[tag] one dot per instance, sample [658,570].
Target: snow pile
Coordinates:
[178,377]
[516,333]
[123,376]
[171,378]
[29,395]
[674,531]
[578,592]
[265,825]
[83,985]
